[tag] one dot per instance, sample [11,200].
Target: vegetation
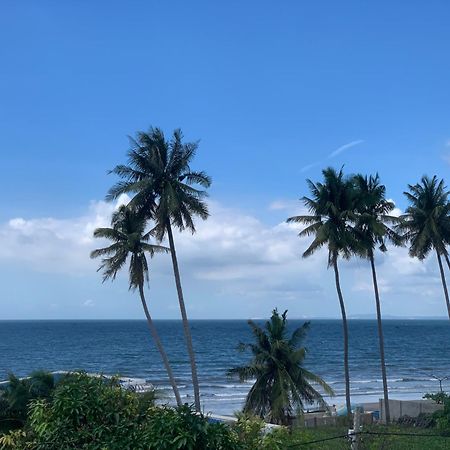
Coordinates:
[331,209]
[426,223]
[129,241]
[373,231]
[282,385]
[439,397]
[351,217]
[375,437]
[166,190]
[17,396]
[347,215]
[92,413]
[443,417]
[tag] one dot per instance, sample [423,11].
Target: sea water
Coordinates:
[416,352]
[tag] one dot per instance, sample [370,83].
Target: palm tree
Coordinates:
[21,391]
[332,212]
[282,385]
[129,239]
[426,223]
[372,227]
[166,189]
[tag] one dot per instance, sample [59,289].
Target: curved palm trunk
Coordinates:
[160,347]
[345,329]
[381,341]
[187,330]
[448,261]
[444,284]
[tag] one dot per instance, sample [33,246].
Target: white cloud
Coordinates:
[344,147]
[308,167]
[396,212]
[284,205]
[233,255]
[333,154]
[55,245]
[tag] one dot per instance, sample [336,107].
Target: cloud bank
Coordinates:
[234,266]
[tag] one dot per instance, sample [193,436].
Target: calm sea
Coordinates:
[415,352]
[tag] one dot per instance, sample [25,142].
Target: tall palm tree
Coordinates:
[166,189]
[373,230]
[129,241]
[282,385]
[330,222]
[426,223]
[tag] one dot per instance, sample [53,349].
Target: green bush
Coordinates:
[249,430]
[15,439]
[443,417]
[16,397]
[167,428]
[85,413]
[91,413]
[439,397]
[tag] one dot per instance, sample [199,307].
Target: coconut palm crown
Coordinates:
[374,224]
[331,216]
[283,386]
[426,223]
[129,239]
[163,185]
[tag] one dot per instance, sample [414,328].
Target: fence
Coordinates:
[412,408]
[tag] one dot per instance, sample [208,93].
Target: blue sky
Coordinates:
[274,91]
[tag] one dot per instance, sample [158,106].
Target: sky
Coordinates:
[274,91]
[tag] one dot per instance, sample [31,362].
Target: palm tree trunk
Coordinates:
[187,330]
[345,329]
[160,347]
[381,341]
[444,284]
[448,260]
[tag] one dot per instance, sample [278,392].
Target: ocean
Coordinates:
[416,352]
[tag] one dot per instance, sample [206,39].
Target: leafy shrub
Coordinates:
[169,429]
[16,397]
[439,397]
[252,435]
[95,414]
[443,417]
[12,440]
[249,430]
[85,413]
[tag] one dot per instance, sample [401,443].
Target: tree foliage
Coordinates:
[94,413]
[16,397]
[129,240]
[332,215]
[426,222]
[283,385]
[159,176]
[374,224]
